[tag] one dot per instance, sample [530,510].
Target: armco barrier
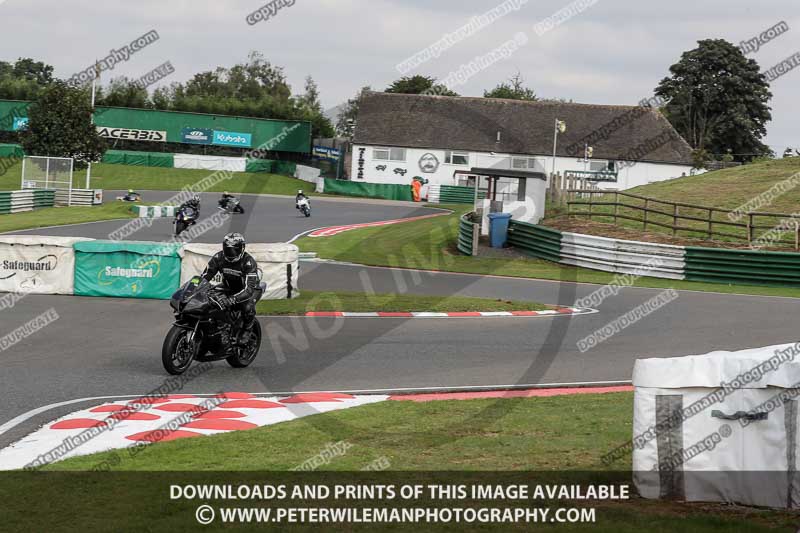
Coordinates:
[79,197]
[154,211]
[468,234]
[625,257]
[537,241]
[26,200]
[745,267]
[450,194]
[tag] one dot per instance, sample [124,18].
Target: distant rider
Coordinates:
[223,202]
[300,196]
[132,196]
[239,278]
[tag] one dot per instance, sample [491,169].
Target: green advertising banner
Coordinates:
[369,190]
[127,269]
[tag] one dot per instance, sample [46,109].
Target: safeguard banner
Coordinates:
[127,269]
[39,265]
[278,263]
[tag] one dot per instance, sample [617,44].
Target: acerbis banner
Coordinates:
[127,269]
[39,265]
[132,135]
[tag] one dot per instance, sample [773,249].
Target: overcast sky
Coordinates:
[614,52]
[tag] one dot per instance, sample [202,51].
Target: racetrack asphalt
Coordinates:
[266,218]
[109,347]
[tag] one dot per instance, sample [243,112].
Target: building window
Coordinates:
[456,158]
[389,154]
[510,190]
[524,163]
[603,166]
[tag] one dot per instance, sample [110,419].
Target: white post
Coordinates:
[22,178]
[555,143]
[47,174]
[71,169]
[94,93]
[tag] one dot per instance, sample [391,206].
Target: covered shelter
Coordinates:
[520,193]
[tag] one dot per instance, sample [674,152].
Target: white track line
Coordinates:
[14,422]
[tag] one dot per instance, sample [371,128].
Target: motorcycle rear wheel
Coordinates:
[177,353]
[246,355]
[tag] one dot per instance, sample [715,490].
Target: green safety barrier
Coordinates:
[127,269]
[284,167]
[259,165]
[466,234]
[368,190]
[452,194]
[11,150]
[142,159]
[44,198]
[745,267]
[537,241]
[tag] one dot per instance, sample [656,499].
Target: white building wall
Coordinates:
[629,175]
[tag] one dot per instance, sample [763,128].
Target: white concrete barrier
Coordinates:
[309,174]
[210,162]
[39,265]
[278,262]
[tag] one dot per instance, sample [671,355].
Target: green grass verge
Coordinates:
[564,433]
[361,302]
[430,245]
[106,176]
[57,216]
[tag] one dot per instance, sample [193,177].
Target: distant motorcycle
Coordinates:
[231,205]
[205,331]
[185,217]
[304,206]
[130,197]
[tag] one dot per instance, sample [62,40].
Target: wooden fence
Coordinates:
[783,229]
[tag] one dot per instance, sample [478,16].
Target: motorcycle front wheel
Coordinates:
[177,353]
[180,225]
[307,212]
[246,354]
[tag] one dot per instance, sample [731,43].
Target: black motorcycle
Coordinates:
[205,331]
[184,218]
[231,205]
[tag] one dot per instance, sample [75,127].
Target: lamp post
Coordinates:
[94,92]
[560,127]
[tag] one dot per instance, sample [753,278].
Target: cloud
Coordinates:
[613,53]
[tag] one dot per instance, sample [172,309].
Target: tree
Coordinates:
[60,125]
[123,92]
[345,122]
[419,85]
[717,99]
[514,90]
[23,79]
[310,107]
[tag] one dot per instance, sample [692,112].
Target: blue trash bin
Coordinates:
[498,229]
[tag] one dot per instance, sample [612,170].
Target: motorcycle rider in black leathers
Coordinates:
[193,202]
[223,202]
[240,279]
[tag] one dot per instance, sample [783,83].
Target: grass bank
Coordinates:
[362,302]
[430,245]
